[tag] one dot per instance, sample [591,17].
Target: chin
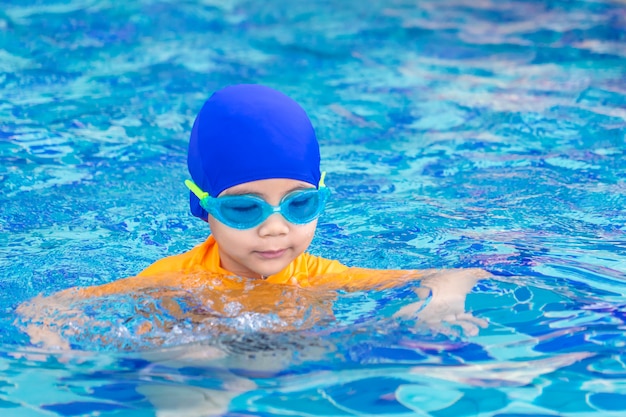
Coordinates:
[266,272]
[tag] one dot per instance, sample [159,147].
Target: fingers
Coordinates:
[46,337]
[468,317]
[454,325]
[470,325]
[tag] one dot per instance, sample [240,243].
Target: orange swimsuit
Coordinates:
[305,288]
[200,268]
[205,258]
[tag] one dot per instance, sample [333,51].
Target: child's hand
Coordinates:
[36,320]
[446,308]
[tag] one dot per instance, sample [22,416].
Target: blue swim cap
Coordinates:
[246,133]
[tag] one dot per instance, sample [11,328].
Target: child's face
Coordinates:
[269,247]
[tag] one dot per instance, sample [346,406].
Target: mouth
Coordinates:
[271,254]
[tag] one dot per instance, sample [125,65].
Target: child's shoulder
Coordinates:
[316,265]
[203,257]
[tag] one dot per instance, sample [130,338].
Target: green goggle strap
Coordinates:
[196,190]
[203,194]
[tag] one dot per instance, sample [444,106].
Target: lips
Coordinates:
[271,254]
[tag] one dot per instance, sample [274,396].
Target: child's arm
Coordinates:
[47,319]
[50,321]
[448,291]
[449,288]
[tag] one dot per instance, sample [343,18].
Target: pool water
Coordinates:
[455,133]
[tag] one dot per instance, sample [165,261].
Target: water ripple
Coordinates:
[456,133]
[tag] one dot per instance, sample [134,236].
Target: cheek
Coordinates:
[225,236]
[212,224]
[309,232]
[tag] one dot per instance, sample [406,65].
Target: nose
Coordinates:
[274,225]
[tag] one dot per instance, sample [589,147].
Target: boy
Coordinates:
[255,164]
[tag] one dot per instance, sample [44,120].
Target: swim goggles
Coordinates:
[248,211]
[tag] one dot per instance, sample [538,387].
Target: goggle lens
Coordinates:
[302,207]
[243,211]
[247,211]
